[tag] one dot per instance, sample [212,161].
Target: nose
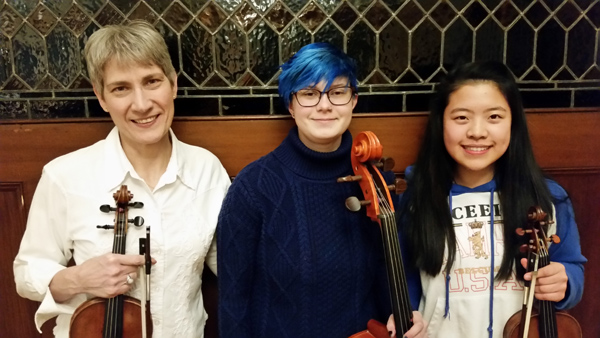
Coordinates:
[477,129]
[141,101]
[324,103]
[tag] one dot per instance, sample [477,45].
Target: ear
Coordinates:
[354,100]
[100,97]
[174,85]
[291,110]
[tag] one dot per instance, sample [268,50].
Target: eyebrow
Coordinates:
[124,82]
[455,110]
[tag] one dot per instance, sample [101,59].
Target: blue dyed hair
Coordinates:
[312,64]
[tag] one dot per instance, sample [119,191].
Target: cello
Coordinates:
[543,321]
[366,158]
[123,316]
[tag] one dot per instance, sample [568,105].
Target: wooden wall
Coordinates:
[566,145]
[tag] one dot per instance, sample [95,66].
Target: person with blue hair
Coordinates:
[292,260]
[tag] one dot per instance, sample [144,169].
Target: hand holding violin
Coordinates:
[103,276]
[418,330]
[551,281]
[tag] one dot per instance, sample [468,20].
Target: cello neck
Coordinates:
[400,300]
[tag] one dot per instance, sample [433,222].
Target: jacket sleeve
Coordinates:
[568,251]
[413,276]
[238,234]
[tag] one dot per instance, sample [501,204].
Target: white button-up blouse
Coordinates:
[181,211]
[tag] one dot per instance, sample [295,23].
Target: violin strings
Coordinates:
[546,307]
[112,320]
[547,317]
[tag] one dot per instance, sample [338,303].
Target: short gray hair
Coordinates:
[134,42]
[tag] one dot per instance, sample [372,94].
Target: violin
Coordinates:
[121,316]
[543,320]
[366,159]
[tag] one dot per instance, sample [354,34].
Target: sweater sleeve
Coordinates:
[238,234]
[568,251]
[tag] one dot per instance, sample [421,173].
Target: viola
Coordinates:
[120,316]
[366,159]
[543,320]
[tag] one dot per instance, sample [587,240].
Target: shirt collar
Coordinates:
[117,166]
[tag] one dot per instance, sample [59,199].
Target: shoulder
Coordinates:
[201,168]
[195,153]
[556,190]
[260,176]
[267,164]
[78,161]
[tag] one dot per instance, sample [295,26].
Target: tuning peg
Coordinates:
[107,208]
[138,221]
[398,187]
[349,178]
[136,205]
[554,239]
[386,163]
[105,227]
[354,204]
[521,231]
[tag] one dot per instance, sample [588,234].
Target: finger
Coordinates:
[418,328]
[554,296]
[132,260]
[524,262]
[391,326]
[553,269]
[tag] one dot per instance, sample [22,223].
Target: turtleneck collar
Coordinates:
[312,164]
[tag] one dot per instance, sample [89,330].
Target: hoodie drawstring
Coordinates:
[492,228]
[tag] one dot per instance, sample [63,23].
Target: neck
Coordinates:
[472,179]
[150,161]
[325,147]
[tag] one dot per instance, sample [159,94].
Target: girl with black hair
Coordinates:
[470,189]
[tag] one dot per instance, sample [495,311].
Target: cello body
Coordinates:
[374,329]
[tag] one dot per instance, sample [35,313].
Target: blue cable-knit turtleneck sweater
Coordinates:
[292,260]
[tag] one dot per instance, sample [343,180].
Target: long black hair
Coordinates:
[519,179]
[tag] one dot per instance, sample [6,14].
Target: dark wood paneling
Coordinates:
[584,189]
[566,144]
[16,313]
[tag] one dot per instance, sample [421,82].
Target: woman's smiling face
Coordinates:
[477,124]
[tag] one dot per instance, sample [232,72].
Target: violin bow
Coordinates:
[145,301]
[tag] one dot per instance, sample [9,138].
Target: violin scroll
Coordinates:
[539,319]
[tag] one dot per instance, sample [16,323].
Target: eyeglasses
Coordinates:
[337,96]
